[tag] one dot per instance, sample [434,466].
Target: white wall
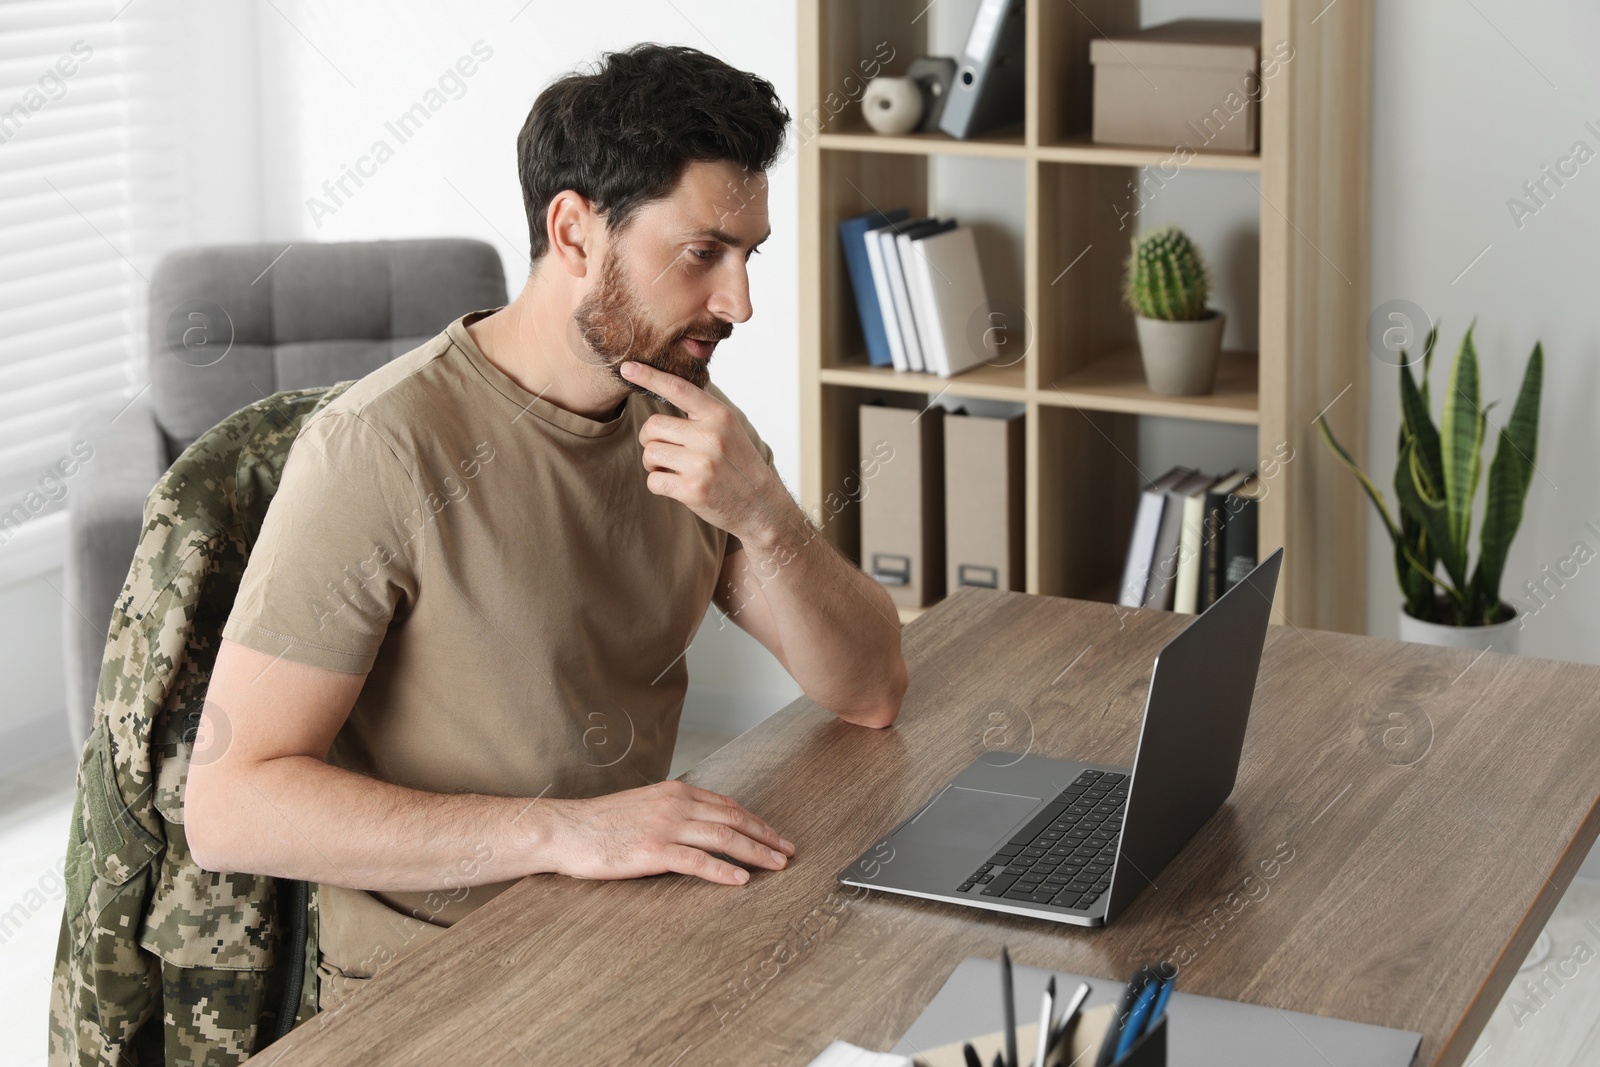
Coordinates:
[334,77]
[1470,101]
[1467,107]
[221,117]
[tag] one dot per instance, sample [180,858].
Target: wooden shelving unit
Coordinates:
[1079,381]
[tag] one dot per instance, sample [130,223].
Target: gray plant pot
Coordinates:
[1180,358]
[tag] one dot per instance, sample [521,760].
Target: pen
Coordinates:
[1069,1016]
[972,1055]
[1130,993]
[1009,1007]
[1046,1022]
[1161,1000]
[1136,1018]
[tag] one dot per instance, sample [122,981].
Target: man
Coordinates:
[456,657]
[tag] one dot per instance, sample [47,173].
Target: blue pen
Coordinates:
[1136,1017]
[1161,1000]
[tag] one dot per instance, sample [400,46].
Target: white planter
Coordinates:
[1500,637]
[1180,358]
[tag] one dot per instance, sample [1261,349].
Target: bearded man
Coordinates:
[457,655]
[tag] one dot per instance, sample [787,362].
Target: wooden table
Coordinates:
[1433,803]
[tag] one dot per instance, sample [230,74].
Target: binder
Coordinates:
[914,262]
[902,501]
[934,74]
[888,241]
[988,88]
[952,279]
[851,232]
[983,501]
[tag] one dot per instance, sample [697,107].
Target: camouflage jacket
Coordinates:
[160,962]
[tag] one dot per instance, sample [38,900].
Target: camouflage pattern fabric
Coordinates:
[160,962]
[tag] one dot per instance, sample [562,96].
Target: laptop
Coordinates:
[1077,842]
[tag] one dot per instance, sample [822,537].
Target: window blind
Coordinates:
[89,184]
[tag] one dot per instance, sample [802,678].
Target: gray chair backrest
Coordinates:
[230,324]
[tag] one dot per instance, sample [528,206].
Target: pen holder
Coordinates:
[1151,1048]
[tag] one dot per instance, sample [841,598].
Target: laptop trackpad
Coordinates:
[968,818]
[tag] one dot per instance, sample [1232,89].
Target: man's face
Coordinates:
[679,277]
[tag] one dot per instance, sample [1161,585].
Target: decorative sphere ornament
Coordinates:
[892,105]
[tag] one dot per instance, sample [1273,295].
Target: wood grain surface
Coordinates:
[1434,804]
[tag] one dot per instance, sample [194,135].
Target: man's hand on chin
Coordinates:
[707,462]
[832,627]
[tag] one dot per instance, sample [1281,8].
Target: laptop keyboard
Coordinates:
[1063,856]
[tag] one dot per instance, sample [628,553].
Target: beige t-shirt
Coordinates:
[519,600]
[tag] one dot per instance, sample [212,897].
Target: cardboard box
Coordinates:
[1194,82]
[902,501]
[983,502]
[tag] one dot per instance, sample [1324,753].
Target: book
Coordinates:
[880,285]
[1239,544]
[899,295]
[1164,559]
[1213,531]
[1186,594]
[862,283]
[914,262]
[946,267]
[1142,542]
[1191,549]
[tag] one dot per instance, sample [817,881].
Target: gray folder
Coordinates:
[988,88]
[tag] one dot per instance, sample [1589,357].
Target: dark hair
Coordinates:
[621,135]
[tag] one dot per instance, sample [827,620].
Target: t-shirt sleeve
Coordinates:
[332,567]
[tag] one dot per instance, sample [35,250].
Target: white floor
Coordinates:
[1549,1018]
[35,806]
[1551,1014]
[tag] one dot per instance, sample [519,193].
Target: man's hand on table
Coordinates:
[668,827]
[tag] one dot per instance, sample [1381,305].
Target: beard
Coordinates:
[614,325]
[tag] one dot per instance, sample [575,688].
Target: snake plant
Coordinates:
[1166,278]
[1436,478]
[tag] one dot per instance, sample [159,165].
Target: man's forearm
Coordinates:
[839,629]
[298,817]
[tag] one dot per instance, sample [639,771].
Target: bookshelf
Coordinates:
[1079,383]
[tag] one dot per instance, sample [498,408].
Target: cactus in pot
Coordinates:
[1180,338]
[1166,278]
